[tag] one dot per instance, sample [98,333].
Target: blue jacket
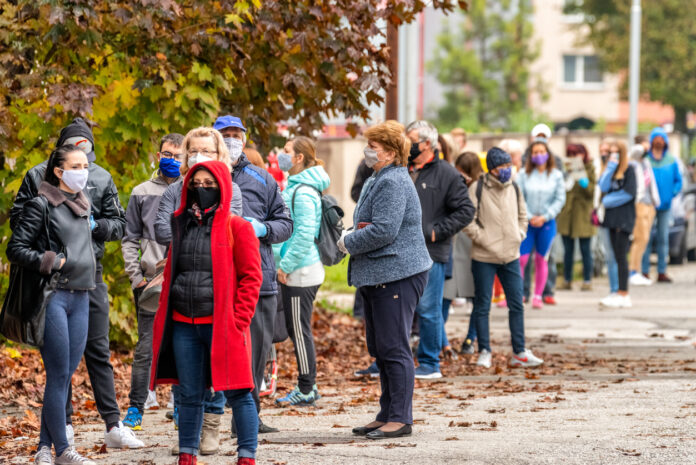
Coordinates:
[300,250]
[544,193]
[666,171]
[391,247]
[264,202]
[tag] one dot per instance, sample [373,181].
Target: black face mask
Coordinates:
[205,197]
[415,152]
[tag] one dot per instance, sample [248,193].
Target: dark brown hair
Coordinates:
[550,163]
[470,164]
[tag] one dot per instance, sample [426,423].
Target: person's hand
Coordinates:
[584,182]
[342,242]
[537,221]
[282,276]
[142,283]
[259,228]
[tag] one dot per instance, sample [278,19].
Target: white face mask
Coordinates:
[235,147]
[197,158]
[371,158]
[76,180]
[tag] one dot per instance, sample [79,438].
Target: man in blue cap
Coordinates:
[265,209]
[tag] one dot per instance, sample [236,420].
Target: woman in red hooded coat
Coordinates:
[201,330]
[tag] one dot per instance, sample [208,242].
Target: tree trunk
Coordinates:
[680,119]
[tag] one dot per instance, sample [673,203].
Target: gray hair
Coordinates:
[511,146]
[426,131]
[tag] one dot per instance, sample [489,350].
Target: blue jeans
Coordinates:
[446,304]
[67,321]
[192,345]
[612,266]
[429,311]
[662,237]
[511,280]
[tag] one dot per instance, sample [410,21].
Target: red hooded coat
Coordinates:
[236,283]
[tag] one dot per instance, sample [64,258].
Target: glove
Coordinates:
[259,228]
[92,223]
[342,242]
[584,182]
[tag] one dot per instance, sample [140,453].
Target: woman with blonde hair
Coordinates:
[618,185]
[389,264]
[200,144]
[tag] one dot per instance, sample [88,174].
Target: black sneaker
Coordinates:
[467,347]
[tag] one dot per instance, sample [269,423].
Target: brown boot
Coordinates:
[210,436]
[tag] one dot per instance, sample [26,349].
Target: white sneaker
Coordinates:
[151,401]
[170,404]
[637,279]
[484,359]
[525,359]
[70,434]
[624,301]
[71,457]
[43,456]
[121,437]
[610,301]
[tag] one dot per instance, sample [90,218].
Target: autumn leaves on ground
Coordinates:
[340,350]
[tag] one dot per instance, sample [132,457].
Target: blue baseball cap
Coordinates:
[228,121]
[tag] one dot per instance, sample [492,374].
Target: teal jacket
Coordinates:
[300,250]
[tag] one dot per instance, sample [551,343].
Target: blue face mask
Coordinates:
[504,174]
[170,167]
[284,161]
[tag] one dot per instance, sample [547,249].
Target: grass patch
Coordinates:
[337,278]
[329,306]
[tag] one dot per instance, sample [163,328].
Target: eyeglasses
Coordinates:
[167,154]
[205,153]
[206,183]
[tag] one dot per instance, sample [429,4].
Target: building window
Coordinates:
[582,71]
[571,11]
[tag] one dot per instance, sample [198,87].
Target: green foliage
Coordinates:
[336,279]
[141,69]
[668,46]
[485,66]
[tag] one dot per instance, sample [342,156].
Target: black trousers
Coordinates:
[98,356]
[298,303]
[389,310]
[620,243]
[261,330]
[142,357]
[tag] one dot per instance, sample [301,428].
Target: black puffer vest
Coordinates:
[192,287]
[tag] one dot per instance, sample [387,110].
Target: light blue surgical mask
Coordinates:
[284,161]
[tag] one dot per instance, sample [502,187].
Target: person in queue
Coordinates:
[496,234]
[574,221]
[544,192]
[201,330]
[389,264]
[300,271]
[107,223]
[446,209]
[619,185]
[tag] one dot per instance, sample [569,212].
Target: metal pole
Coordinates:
[634,71]
[392,101]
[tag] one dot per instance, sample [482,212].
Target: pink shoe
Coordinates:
[502,303]
[537,303]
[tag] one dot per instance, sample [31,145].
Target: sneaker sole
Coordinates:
[525,365]
[430,376]
[364,375]
[299,404]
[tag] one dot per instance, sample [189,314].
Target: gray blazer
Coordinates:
[391,247]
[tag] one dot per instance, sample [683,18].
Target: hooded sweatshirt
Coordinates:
[299,256]
[78,128]
[666,171]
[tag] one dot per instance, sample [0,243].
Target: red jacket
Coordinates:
[236,283]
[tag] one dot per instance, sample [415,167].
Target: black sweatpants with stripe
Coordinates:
[298,303]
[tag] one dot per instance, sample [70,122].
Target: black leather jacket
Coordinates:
[54,226]
[192,286]
[106,207]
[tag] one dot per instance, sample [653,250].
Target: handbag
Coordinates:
[149,299]
[23,315]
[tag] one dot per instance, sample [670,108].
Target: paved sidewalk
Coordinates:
[618,387]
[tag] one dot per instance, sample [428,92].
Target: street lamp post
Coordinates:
[634,71]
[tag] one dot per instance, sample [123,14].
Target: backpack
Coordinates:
[330,228]
[479,191]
